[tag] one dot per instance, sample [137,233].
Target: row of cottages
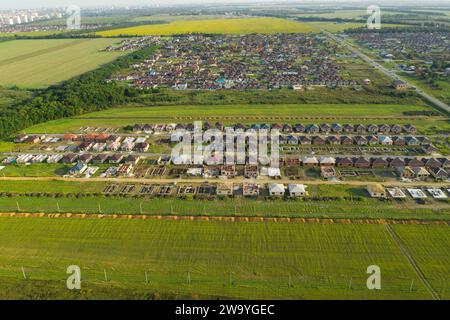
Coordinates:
[101,158]
[286,128]
[364,162]
[422,173]
[254,189]
[358,140]
[129,144]
[293,190]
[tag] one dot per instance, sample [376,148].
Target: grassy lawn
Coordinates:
[40,63]
[124,116]
[232,260]
[216,26]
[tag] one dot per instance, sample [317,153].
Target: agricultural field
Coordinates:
[197,259]
[352,113]
[215,26]
[40,63]
[75,202]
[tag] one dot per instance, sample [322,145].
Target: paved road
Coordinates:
[390,73]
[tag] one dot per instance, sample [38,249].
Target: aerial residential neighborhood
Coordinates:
[201,153]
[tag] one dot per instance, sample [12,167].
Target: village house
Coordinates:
[228,171]
[125,169]
[420,173]
[250,189]
[141,147]
[115,158]
[336,128]
[312,128]
[85,158]
[224,189]
[85,146]
[304,140]
[376,191]
[405,172]
[360,128]
[384,128]
[250,171]
[69,158]
[345,140]
[379,163]
[276,190]
[396,129]
[360,140]
[412,141]
[310,161]
[333,140]
[348,128]
[100,158]
[344,162]
[414,162]
[317,140]
[297,190]
[431,163]
[386,141]
[132,159]
[439,174]
[372,128]
[362,163]
[396,162]
[398,141]
[299,128]
[327,161]
[79,168]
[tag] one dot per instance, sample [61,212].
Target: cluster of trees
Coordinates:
[86,93]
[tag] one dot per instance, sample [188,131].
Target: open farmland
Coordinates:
[233,260]
[40,63]
[215,26]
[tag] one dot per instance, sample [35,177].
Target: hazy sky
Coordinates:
[12,4]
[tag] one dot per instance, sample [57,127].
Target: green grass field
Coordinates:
[215,26]
[40,63]
[117,117]
[228,260]
[366,208]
